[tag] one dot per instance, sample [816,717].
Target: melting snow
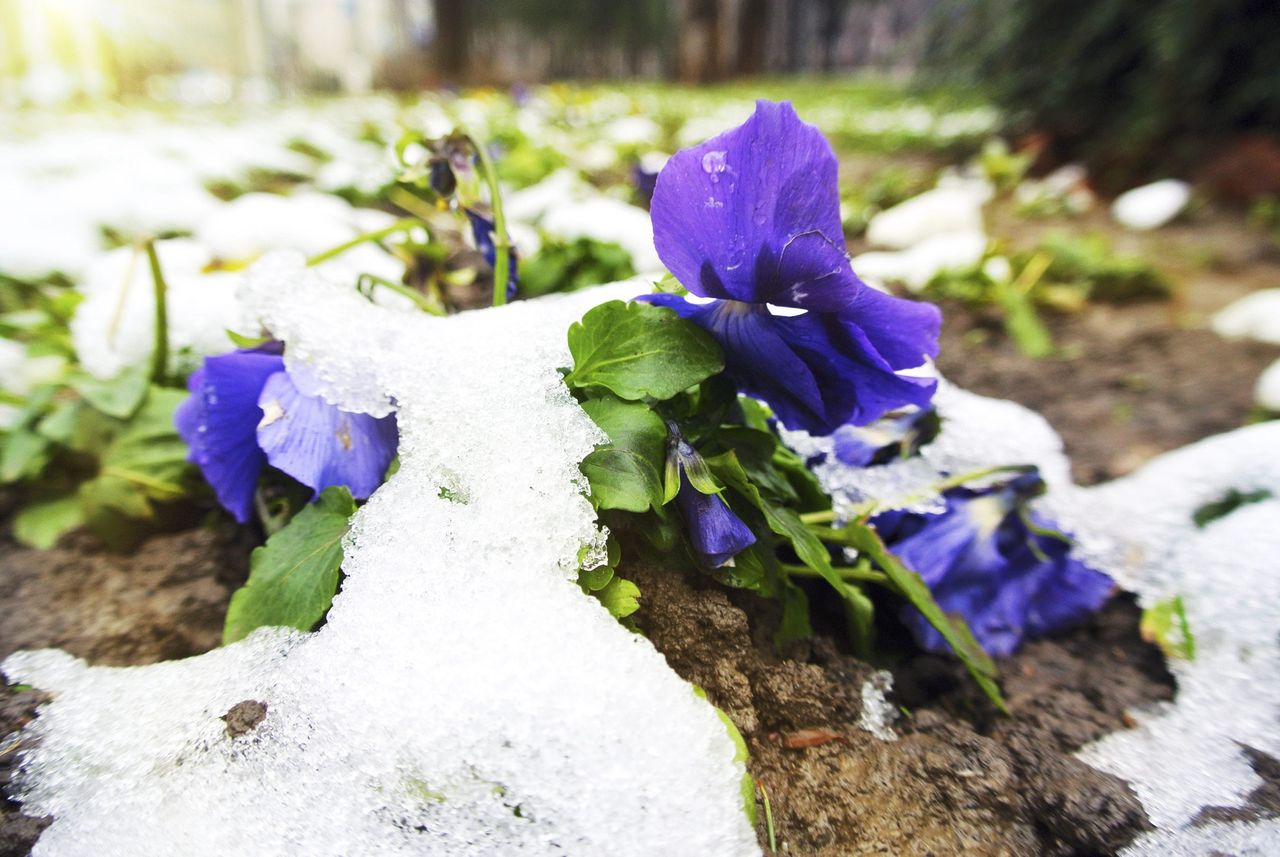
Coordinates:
[1185,755]
[464,698]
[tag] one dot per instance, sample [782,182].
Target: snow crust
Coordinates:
[1187,754]
[1255,316]
[1152,205]
[464,697]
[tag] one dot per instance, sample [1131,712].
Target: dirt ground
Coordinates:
[1134,380]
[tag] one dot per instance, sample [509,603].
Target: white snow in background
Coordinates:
[461,675]
[1267,391]
[1184,755]
[1254,316]
[940,211]
[1152,205]
[114,326]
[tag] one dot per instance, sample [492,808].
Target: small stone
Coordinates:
[244,717]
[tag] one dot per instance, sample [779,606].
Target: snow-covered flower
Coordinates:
[1002,567]
[245,412]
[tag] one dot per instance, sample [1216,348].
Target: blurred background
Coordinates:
[1135,86]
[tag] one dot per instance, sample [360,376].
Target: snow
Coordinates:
[1254,316]
[1184,755]
[1267,391]
[1151,206]
[935,212]
[114,327]
[464,698]
[916,266]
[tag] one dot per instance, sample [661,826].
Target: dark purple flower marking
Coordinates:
[890,437]
[245,412]
[984,559]
[750,219]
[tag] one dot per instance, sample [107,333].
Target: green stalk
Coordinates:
[501,243]
[376,235]
[768,818]
[860,573]
[160,356]
[417,297]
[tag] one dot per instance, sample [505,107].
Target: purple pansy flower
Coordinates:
[995,564]
[715,530]
[750,219]
[717,534]
[482,230]
[245,412]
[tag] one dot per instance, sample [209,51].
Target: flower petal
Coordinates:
[320,445]
[219,421]
[716,532]
[736,202]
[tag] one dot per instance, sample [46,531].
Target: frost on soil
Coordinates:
[464,698]
[1186,755]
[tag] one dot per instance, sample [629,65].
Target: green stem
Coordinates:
[768,818]
[414,295]
[826,517]
[160,356]
[501,243]
[862,573]
[376,235]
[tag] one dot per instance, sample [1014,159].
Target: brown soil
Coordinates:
[165,600]
[1131,387]
[958,780]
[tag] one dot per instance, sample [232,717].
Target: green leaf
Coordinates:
[145,462]
[59,425]
[120,397]
[595,579]
[912,587]
[637,350]
[42,524]
[24,455]
[1165,624]
[626,474]
[294,576]
[620,597]
[242,341]
[1022,323]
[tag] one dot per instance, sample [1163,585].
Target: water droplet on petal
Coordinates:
[713,162]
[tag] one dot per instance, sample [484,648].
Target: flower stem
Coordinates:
[159,356]
[376,235]
[501,243]
[419,299]
[861,572]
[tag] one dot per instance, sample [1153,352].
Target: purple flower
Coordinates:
[482,230]
[995,564]
[716,532]
[245,412]
[645,181]
[751,220]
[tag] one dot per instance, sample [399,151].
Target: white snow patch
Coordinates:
[461,675]
[1152,205]
[878,713]
[1254,316]
[1185,755]
[935,212]
[1267,391]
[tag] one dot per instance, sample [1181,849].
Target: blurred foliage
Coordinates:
[1136,88]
